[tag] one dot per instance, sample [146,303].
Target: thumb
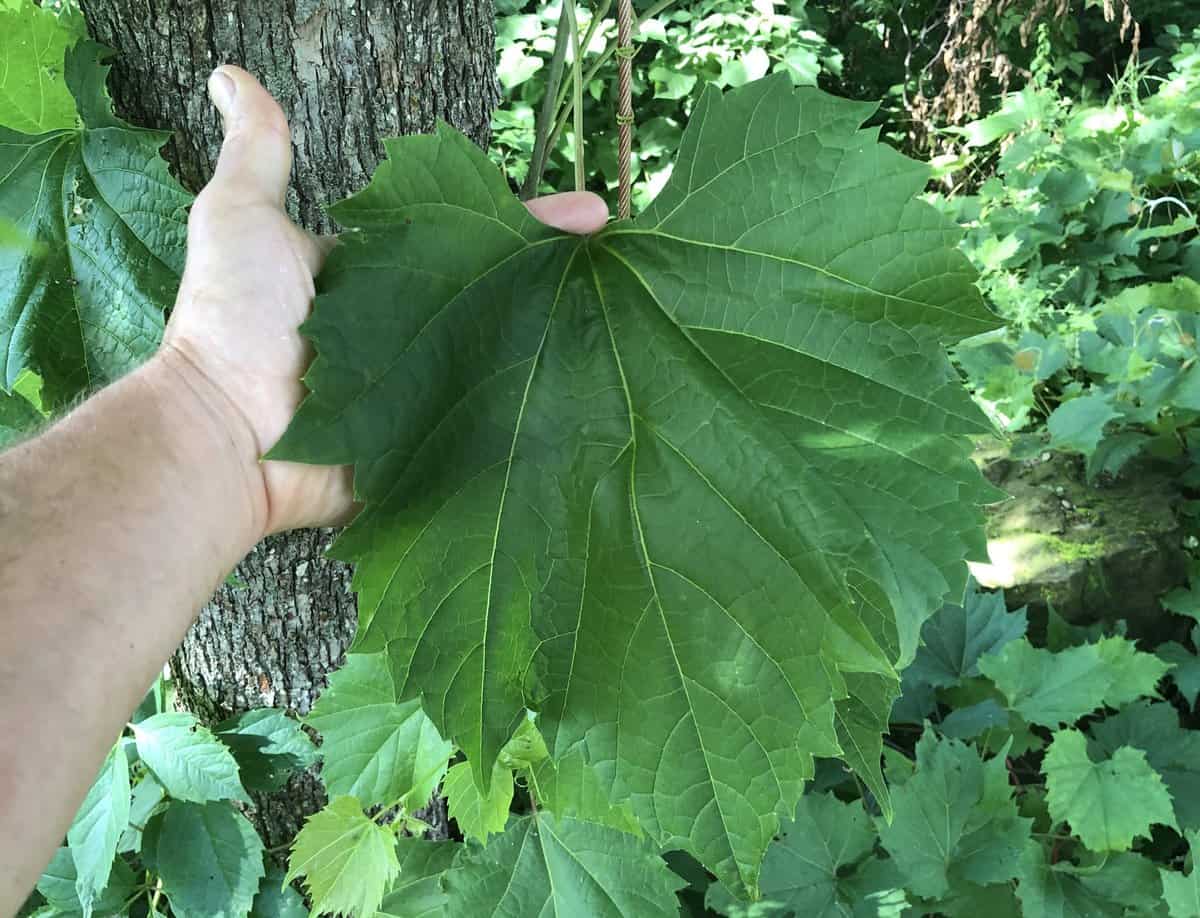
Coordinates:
[256,156]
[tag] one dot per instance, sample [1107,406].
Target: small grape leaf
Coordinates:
[549,866]
[276,898]
[688,487]
[955,820]
[1051,689]
[419,892]
[1185,668]
[376,748]
[34,97]
[97,828]
[347,860]
[1172,751]
[805,869]
[1107,803]
[187,759]
[1078,425]
[478,813]
[956,637]
[1184,602]
[85,304]
[210,860]
[268,745]
[57,885]
[1063,891]
[1181,891]
[967,723]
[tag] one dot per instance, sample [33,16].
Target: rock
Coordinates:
[1096,553]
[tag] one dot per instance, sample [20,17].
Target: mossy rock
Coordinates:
[1096,553]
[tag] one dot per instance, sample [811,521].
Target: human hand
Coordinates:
[248,285]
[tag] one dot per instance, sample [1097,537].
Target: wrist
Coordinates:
[212,440]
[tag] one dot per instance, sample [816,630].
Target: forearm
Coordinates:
[116,525]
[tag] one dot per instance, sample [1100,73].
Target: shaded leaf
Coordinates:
[419,893]
[210,860]
[268,745]
[1181,891]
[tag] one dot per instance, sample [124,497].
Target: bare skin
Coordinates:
[119,521]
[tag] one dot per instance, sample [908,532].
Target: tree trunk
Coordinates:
[347,73]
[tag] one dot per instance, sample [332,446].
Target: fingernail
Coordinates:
[222,90]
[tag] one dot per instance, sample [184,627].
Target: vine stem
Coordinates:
[625,54]
[577,94]
[544,136]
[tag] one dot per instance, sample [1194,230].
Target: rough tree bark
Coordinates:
[347,73]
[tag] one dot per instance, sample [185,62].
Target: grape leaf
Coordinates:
[33,94]
[86,303]
[276,899]
[955,820]
[1107,803]
[686,488]
[187,759]
[268,747]
[210,860]
[956,637]
[1182,891]
[1051,688]
[1185,668]
[347,860]
[97,828]
[1078,425]
[1172,751]
[549,866]
[478,813]
[376,748]
[1063,891]
[418,892]
[804,870]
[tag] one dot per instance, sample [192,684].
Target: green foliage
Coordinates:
[85,304]
[592,416]
[159,826]
[1086,239]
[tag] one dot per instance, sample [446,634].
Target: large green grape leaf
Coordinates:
[687,488]
[549,866]
[85,303]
